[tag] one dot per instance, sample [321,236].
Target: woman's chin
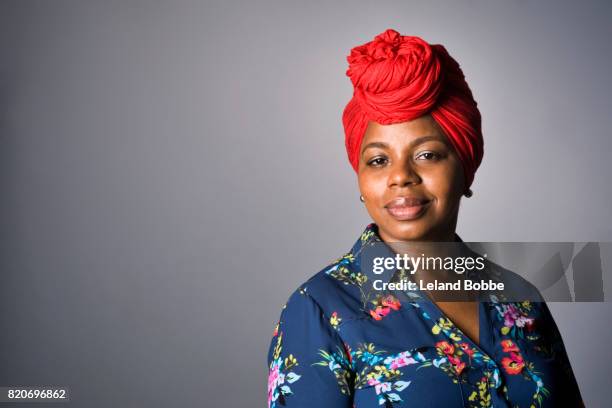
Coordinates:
[398,231]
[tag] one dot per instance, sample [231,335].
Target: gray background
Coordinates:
[171,171]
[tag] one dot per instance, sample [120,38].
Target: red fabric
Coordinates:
[397,78]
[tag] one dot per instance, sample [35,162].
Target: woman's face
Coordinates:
[411,180]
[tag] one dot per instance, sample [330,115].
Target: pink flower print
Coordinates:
[467,349]
[523,321]
[380,312]
[273,380]
[373,381]
[384,307]
[382,387]
[514,317]
[402,360]
[391,302]
[510,315]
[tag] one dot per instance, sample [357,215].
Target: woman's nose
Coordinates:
[403,174]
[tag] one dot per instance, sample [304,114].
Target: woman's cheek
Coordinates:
[374,189]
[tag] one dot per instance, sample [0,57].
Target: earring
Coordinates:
[361,199]
[468,193]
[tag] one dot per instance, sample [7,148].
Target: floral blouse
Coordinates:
[339,345]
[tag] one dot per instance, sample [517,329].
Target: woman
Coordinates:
[413,136]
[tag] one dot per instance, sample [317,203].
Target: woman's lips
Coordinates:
[407,208]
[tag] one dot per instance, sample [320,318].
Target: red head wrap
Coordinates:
[398,78]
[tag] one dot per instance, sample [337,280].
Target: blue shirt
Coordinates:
[338,344]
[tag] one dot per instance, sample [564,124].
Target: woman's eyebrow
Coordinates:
[424,139]
[413,143]
[374,144]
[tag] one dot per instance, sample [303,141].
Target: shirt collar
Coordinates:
[371,235]
[371,244]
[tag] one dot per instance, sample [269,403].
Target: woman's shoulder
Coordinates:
[334,289]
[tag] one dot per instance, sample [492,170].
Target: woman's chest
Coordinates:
[421,358]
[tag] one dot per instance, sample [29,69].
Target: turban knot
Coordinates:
[398,78]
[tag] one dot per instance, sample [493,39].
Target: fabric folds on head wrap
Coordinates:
[399,78]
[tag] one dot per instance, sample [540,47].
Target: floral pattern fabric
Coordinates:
[338,344]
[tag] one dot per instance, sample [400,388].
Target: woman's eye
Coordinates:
[427,156]
[377,161]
